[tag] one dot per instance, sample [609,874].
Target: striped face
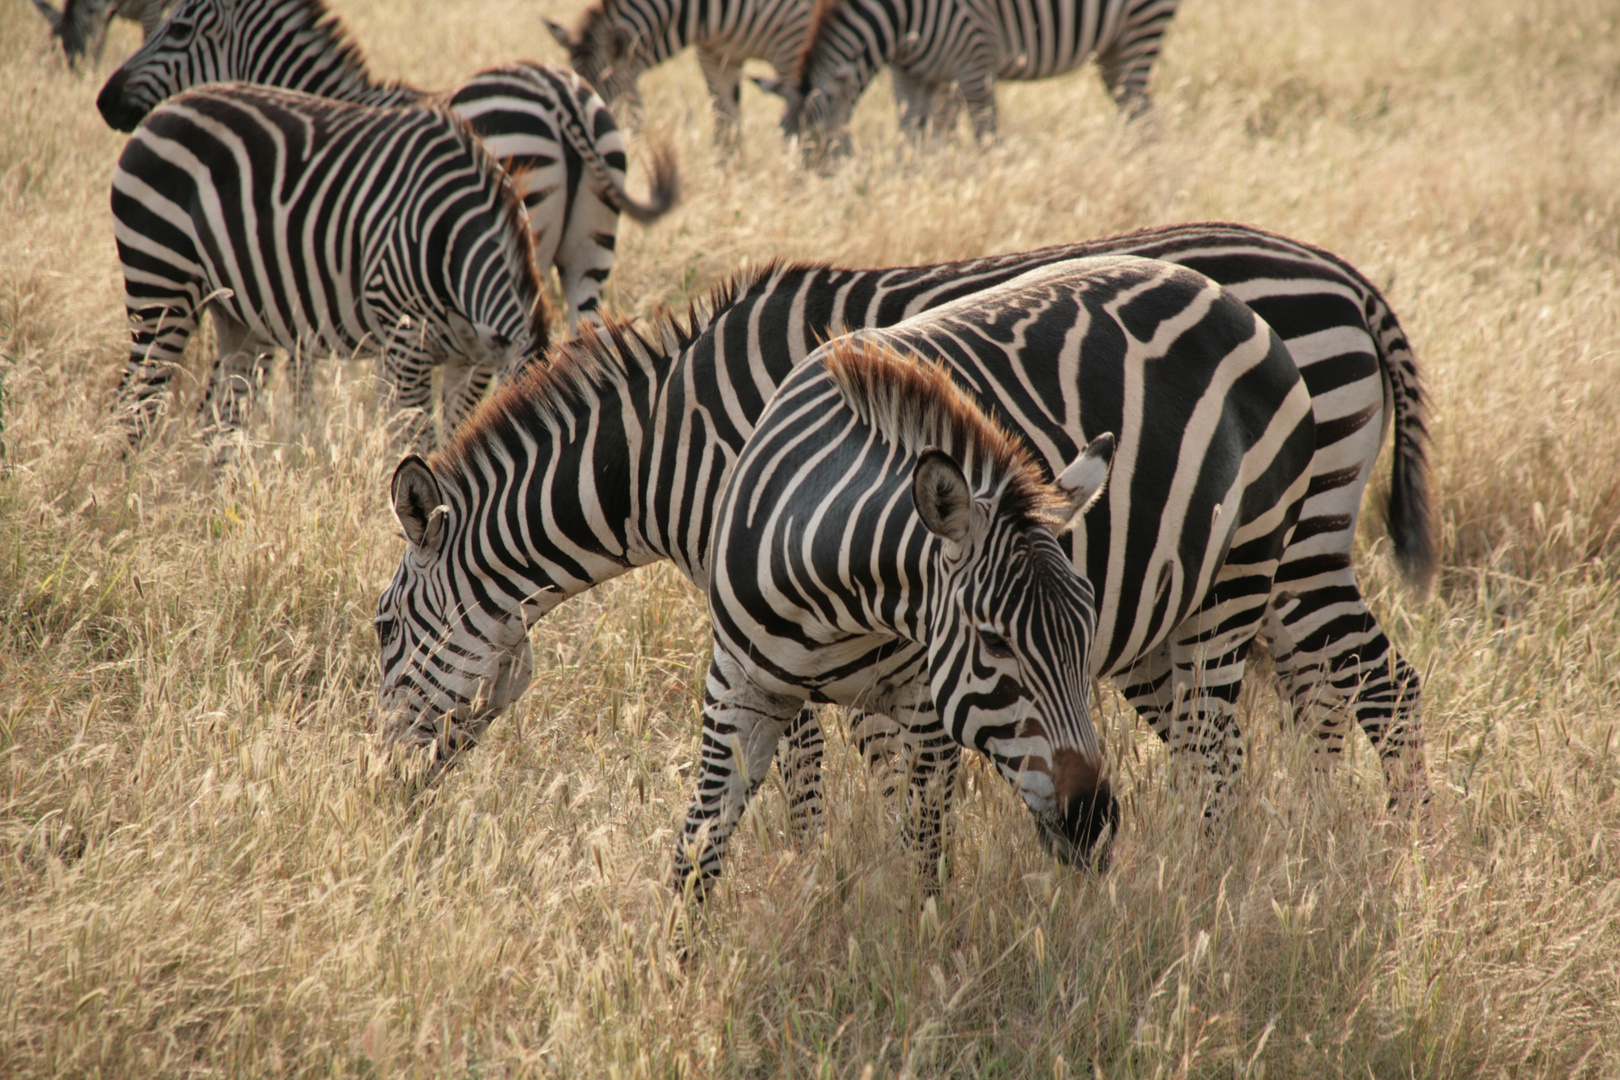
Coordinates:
[604,54]
[188,49]
[1009,638]
[447,670]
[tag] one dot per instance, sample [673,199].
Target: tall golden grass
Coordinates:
[202,874]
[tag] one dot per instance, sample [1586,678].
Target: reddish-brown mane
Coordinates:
[917,403]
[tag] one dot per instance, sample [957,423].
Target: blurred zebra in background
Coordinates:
[319,227]
[617,461]
[617,40]
[547,127]
[82,24]
[971,43]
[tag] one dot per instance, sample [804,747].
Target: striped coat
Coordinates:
[971,43]
[314,226]
[545,125]
[615,458]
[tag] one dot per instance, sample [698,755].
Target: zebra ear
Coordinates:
[1086,476]
[941,495]
[560,33]
[418,504]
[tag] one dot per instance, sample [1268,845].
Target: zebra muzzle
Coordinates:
[1087,811]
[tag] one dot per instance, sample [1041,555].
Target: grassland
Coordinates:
[202,873]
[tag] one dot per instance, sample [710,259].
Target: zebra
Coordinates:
[971,43]
[614,456]
[544,123]
[616,40]
[882,541]
[309,224]
[82,24]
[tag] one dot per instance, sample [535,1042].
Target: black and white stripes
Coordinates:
[615,456]
[315,226]
[971,43]
[617,40]
[546,126]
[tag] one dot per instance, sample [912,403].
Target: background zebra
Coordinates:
[619,39]
[312,225]
[972,43]
[615,459]
[882,542]
[82,24]
[545,125]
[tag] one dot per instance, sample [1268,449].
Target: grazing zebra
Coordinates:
[972,43]
[312,225]
[545,125]
[619,39]
[614,458]
[82,24]
[883,542]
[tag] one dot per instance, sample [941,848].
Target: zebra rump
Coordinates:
[547,127]
[823,589]
[318,227]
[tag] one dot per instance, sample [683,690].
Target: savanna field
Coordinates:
[206,870]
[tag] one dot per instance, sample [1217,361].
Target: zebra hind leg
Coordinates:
[1335,662]
[239,370]
[799,760]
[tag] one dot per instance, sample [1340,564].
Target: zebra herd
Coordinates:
[946,497]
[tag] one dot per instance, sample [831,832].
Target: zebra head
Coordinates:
[818,109]
[296,44]
[188,48]
[604,52]
[452,657]
[1010,639]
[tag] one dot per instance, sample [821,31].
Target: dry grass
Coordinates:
[201,874]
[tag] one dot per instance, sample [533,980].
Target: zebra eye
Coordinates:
[387,630]
[995,644]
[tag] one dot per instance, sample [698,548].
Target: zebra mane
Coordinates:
[821,17]
[324,21]
[916,403]
[547,392]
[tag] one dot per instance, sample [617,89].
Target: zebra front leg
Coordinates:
[799,760]
[464,387]
[979,93]
[724,79]
[929,756]
[408,374]
[1207,658]
[741,726]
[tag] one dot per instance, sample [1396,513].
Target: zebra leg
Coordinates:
[159,330]
[464,387]
[584,256]
[913,97]
[409,376]
[799,759]
[1335,662]
[1149,687]
[741,726]
[979,92]
[239,369]
[725,93]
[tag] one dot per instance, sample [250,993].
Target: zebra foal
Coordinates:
[614,455]
[314,226]
[933,43]
[548,128]
[823,589]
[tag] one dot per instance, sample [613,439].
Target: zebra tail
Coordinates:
[1408,509]
[52,16]
[664,189]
